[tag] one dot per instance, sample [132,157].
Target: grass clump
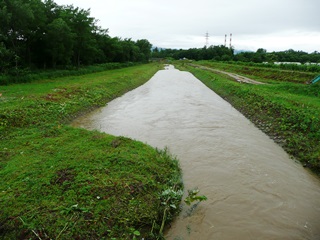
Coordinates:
[60,182]
[288,112]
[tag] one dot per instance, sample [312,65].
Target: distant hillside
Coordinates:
[237,51]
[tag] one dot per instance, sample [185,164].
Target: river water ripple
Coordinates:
[254,189]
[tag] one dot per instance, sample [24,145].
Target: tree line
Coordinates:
[39,34]
[222,53]
[211,53]
[261,55]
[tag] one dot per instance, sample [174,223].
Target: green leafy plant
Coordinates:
[134,233]
[170,199]
[193,196]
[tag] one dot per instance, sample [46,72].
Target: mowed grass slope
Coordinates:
[59,182]
[288,112]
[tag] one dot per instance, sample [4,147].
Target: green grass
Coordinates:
[59,99]
[27,75]
[60,182]
[286,111]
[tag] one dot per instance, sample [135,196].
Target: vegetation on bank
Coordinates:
[27,76]
[60,182]
[288,112]
[268,73]
[308,70]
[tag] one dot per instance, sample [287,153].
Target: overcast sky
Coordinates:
[275,25]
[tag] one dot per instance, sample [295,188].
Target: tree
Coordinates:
[82,26]
[145,49]
[260,56]
[6,54]
[16,27]
[6,58]
[60,42]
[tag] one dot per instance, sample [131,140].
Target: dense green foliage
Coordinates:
[222,53]
[288,112]
[60,182]
[42,34]
[213,52]
[261,55]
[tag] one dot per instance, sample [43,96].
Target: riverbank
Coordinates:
[250,183]
[60,182]
[288,112]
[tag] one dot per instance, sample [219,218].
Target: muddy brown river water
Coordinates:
[254,189]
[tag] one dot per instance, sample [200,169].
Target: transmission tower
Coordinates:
[230,40]
[207,39]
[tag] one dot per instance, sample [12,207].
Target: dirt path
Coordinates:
[236,77]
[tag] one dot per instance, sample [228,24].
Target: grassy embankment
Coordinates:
[285,108]
[27,75]
[59,182]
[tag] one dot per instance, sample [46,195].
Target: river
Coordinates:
[254,189]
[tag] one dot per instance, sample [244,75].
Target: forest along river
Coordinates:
[254,189]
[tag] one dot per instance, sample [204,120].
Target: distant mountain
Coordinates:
[159,48]
[237,51]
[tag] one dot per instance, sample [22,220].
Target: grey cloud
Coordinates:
[172,22]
